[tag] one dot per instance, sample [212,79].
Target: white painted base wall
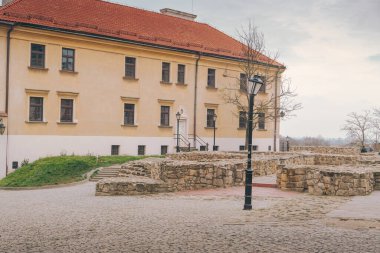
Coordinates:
[3,147]
[33,147]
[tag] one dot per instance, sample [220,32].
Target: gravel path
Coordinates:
[72,219]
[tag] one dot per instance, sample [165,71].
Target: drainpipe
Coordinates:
[195,99]
[275,112]
[11,27]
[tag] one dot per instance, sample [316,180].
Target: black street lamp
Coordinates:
[214,117]
[2,127]
[254,86]
[178,116]
[287,143]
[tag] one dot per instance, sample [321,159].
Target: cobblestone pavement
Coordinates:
[72,219]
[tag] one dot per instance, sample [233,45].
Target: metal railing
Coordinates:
[198,140]
[183,140]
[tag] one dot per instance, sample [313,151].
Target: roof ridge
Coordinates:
[151,11]
[10,4]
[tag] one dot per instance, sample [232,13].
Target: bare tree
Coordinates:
[376,126]
[260,61]
[358,127]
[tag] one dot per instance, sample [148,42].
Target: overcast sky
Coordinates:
[331,49]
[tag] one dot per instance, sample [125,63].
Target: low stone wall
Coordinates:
[335,160]
[130,186]
[322,180]
[326,150]
[150,167]
[197,175]
[197,170]
[206,156]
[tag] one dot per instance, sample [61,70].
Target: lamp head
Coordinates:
[254,84]
[2,127]
[178,115]
[215,117]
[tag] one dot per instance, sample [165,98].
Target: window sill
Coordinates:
[169,127]
[38,68]
[166,83]
[262,130]
[68,72]
[211,88]
[211,128]
[127,125]
[242,128]
[129,78]
[181,84]
[35,122]
[66,123]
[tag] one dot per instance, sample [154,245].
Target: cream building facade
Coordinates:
[111,97]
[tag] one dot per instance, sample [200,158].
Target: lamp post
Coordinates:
[2,127]
[178,116]
[254,85]
[287,143]
[214,117]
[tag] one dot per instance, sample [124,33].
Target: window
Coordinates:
[215,148]
[210,117]
[130,67]
[164,150]
[269,148]
[129,114]
[263,87]
[243,82]
[165,72]
[181,74]
[261,120]
[115,149]
[165,115]
[141,150]
[255,148]
[14,165]
[37,57]
[242,119]
[242,148]
[203,148]
[36,109]
[67,109]
[68,59]
[211,78]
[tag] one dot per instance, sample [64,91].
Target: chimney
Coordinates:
[178,14]
[5,2]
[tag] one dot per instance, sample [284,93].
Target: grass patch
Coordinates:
[60,170]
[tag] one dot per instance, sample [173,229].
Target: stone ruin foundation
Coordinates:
[319,174]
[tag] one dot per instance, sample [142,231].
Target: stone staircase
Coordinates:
[186,149]
[106,172]
[377,181]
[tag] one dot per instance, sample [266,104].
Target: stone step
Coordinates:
[107,175]
[108,172]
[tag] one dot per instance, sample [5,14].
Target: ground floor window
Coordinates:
[115,149]
[164,150]
[255,148]
[242,147]
[202,148]
[141,150]
[215,148]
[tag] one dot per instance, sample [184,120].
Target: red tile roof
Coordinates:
[123,22]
